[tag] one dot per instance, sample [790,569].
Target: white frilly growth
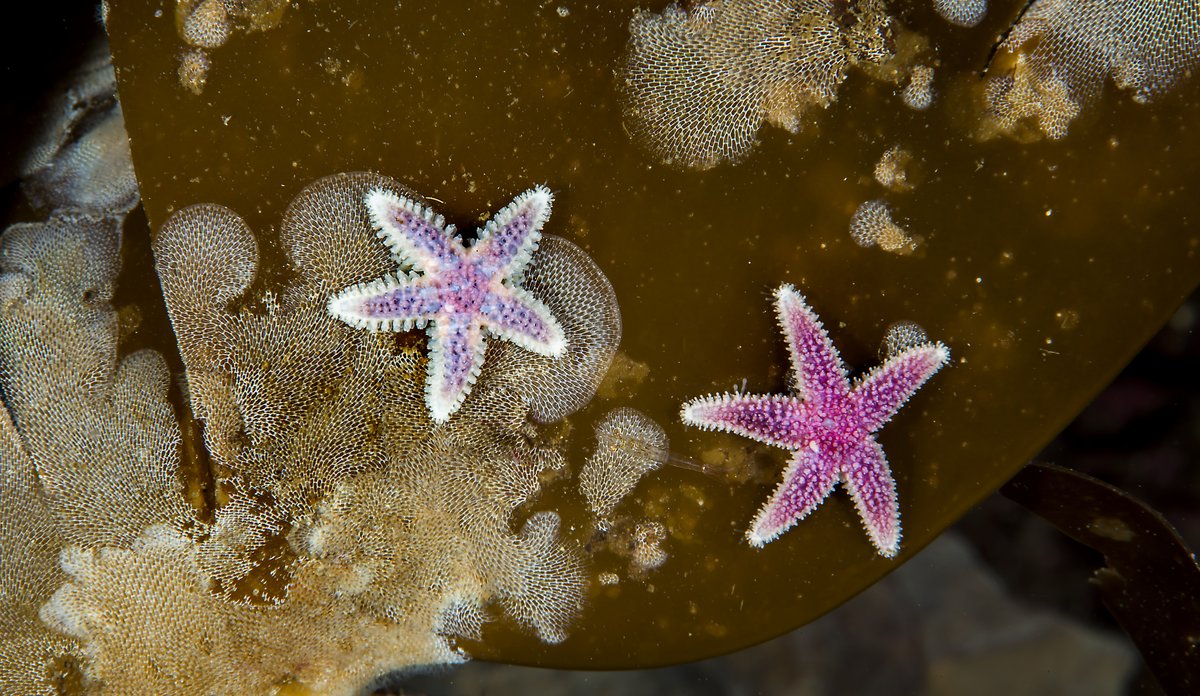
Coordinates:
[964,13]
[628,445]
[872,225]
[918,93]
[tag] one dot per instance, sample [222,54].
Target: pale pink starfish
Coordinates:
[459,293]
[829,425]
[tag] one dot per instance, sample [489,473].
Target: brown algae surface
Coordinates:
[471,103]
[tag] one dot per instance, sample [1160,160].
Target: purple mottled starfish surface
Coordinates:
[829,425]
[459,293]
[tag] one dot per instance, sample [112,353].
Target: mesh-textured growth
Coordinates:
[895,169]
[205,25]
[964,13]
[872,225]
[90,86]
[648,552]
[28,570]
[1056,58]
[350,538]
[194,65]
[405,521]
[918,93]
[149,622]
[270,378]
[99,431]
[81,159]
[699,83]
[628,445]
[88,443]
[901,336]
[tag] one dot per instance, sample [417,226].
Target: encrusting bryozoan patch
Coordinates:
[699,82]
[964,13]
[628,445]
[458,293]
[80,160]
[896,169]
[918,93]
[828,425]
[899,337]
[204,26]
[872,225]
[1054,62]
[348,537]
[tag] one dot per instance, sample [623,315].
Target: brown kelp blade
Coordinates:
[1042,266]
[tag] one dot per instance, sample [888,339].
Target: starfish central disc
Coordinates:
[457,294]
[829,426]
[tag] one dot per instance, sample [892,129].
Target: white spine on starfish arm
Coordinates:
[347,305]
[440,407]
[543,200]
[556,347]
[691,410]
[688,414]
[381,203]
[539,195]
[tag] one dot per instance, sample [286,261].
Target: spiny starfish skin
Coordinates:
[456,292]
[829,425]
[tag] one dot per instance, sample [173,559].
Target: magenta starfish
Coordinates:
[459,293]
[830,426]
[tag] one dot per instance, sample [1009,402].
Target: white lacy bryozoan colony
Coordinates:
[348,538]
[1055,61]
[352,537]
[699,83]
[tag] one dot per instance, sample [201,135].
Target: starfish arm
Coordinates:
[775,420]
[456,346]
[392,303]
[882,391]
[807,481]
[412,231]
[870,484]
[517,316]
[509,239]
[819,371]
